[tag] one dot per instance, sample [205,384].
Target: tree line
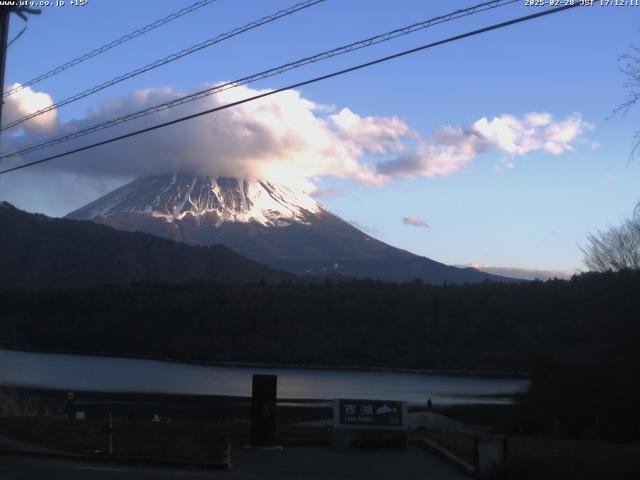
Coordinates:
[580,338]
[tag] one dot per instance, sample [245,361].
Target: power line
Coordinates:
[5,11]
[260,76]
[297,85]
[109,46]
[17,36]
[168,59]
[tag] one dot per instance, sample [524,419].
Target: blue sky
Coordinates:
[532,215]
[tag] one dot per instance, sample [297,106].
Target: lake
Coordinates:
[112,374]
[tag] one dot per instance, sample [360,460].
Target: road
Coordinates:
[415,420]
[292,464]
[29,468]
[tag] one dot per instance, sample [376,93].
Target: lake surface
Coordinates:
[111,374]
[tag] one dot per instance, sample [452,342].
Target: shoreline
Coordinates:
[238,364]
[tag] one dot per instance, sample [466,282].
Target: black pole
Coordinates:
[263,410]
[108,430]
[5,12]
[4,38]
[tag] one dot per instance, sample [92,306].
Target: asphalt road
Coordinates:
[292,464]
[326,463]
[29,468]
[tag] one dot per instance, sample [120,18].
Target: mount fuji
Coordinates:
[269,223]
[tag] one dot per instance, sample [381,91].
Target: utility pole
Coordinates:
[110,435]
[4,39]
[5,12]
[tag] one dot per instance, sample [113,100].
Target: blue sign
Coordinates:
[369,413]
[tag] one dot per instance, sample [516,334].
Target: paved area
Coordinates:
[17,445]
[415,420]
[292,464]
[30,468]
[325,464]
[434,421]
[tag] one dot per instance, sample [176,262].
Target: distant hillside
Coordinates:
[498,327]
[39,252]
[271,224]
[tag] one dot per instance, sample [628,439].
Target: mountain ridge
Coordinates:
[271,224]
[40,252]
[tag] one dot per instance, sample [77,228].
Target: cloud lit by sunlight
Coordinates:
[288,139]
[25,102]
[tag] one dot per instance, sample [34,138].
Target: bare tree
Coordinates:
[630,67]
[618,248]
[615,249]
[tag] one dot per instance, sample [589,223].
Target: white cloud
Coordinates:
[503,165]
[364,228]
[536,119]
[287,138]
[523,273]
[376,135]
[26,102]
[441,154]
[326,192]
[536,131]
[451,148]
[280,137]
[415,222]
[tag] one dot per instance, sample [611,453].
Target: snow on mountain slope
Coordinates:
[172,197]
[269,223]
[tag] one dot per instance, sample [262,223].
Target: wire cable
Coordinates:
[260,76]
[18,35]
[297,85]
[109,46]
[168,59]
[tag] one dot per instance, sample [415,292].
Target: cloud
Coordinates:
[415,222]
[281,137]
[26,102]
[523,273]
[326,192]
[284,137]
[364,228]
[451,148]
[376,135]
[536,131]
[503,165]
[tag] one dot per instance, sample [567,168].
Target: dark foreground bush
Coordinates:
[176,441]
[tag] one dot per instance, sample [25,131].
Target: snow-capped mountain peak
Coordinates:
[173,197]
[269,223]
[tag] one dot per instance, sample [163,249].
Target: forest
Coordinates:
[578,339]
